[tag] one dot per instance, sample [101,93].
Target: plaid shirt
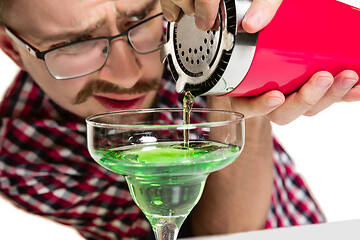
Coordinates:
[45,169]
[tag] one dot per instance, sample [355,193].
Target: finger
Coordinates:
[260,14]
[170,10]
[353,95]
[188,6]
[259,105]
[205,13]
[343,82]
[300,102]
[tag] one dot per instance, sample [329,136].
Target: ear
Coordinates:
[9,48]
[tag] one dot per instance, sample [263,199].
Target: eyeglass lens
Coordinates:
[85,57]
[148,36]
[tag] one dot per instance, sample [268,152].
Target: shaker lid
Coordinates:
[198,59]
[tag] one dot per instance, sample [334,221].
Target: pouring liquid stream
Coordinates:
[188,103]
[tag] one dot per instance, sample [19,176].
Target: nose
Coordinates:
[122,66]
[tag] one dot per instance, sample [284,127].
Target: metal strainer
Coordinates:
[198,59]
[281,56]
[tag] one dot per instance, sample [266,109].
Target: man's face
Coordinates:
[47,24]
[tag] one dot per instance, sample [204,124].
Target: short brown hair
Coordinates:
[4,6]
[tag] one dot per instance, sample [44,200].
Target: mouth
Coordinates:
[119,102]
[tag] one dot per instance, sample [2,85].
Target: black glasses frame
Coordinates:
[41,54]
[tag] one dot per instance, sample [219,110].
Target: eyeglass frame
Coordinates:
[41,54]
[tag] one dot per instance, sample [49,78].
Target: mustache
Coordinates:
[100,86]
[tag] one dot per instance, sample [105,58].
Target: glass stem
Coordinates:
[167,228]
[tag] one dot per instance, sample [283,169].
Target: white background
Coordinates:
[325,149]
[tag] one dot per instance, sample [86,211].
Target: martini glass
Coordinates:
[165,173]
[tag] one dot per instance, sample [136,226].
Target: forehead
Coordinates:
[51,17]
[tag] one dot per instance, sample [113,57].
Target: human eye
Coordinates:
[136,18]
[75,49]
[130,22]
[79,47]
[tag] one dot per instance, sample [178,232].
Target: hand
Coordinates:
[321,91]
[257,17]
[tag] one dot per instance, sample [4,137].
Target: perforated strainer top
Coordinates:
[197,59]
[195,53]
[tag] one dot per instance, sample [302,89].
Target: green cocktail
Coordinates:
[165,178]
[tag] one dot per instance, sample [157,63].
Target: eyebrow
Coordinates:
[74,36]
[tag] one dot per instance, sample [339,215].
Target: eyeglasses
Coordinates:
[87,56]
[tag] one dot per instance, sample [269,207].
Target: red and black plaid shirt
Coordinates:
[45,169]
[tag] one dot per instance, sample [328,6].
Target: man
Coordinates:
[73,68]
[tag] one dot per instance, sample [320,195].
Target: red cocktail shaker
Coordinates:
[305,36]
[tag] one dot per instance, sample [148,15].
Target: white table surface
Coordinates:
[343,230]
